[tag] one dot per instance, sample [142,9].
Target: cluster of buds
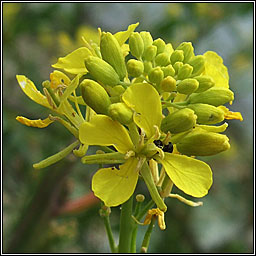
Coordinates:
[179,76]
[154,104]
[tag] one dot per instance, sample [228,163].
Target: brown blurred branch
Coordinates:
[77,205]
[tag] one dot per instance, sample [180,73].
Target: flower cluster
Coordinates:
[147,105]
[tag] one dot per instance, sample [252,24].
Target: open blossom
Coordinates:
[160,96]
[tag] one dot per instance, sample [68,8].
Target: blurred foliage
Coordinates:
[34,35]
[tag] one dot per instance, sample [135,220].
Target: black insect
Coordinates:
[166,148]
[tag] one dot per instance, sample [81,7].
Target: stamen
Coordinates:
[186,201]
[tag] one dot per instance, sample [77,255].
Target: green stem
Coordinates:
[110,234]
[135,228]
[148,206]
[146,240]
[126,227]
[134,237]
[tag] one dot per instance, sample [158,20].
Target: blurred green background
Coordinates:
[34,36]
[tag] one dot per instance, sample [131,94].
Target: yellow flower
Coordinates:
[115,186]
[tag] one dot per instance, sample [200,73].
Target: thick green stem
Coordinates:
[126,227]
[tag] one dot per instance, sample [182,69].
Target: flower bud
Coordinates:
[168,49]
[177,55]
[140,198]
[168,84]
[117,90]
[205,83]
[120,112]
[162,59]
[177,65]
[207,114]
[215,96]
[150,52]
[203,143]
[187,49]
[187,86]
[135,68]
[185,71]
[101,70]
[136,45]
[160,44]
[168,70]
[198,64]
[179,121]
[147,66]
[156,75]
[111,52]
[95,96]
[147,39]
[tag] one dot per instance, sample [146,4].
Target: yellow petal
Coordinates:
[102,130]
[122,36]
[58,79]
[34,123]
[145,100]
[215,68]
[190,175]
[73,63]
[231,115]
[31,91]
[114,186]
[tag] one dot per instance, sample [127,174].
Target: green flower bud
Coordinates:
[150,52]
[179,121]
[140,198]
[135,68]
[205,83]
[215,96]
[187,49]
[160,44]
[101,70]
[95,96]
[185,71]
[147,66]
[117,90]
[203,143]
[177,55]
[147,39]
[111,52]
[168,49]
[120,112]
[168,84]
[136,45]
[168,70]
[187,86]
[156,75]
[207,114]
[149,150]
[162,59]
[198,64]
[177,65]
